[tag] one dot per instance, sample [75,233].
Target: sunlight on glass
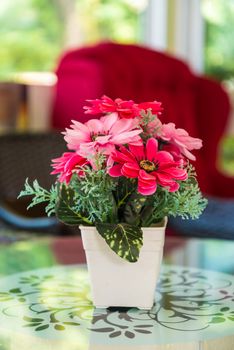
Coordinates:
[25,256]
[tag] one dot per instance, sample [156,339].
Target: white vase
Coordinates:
[117,282]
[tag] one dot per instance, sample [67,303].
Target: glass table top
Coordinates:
[45,300]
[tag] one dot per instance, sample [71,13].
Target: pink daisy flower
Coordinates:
[181,139]
[102,135]
[68,164]
[149,165]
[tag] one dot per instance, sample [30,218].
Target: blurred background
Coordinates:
[34,34]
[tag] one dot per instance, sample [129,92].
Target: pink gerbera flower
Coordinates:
[149,165]
[181,139]
[125,109]
[102,135]
[68,164]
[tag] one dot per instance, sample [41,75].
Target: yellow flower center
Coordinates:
[147,165]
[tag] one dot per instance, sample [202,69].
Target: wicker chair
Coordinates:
[27,155]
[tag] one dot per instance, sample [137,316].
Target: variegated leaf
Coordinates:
[124,239]
[64,208]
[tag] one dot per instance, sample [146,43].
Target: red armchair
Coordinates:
[193,102]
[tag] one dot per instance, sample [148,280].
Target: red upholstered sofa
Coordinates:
[193,102]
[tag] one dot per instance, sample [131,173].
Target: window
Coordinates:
[34,32]
[219,33]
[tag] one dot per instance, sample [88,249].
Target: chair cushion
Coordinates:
[217,221]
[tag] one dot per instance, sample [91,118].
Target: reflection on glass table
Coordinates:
[45,300]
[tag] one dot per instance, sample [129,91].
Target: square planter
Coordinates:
[117,282]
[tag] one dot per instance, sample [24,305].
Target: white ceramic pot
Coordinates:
[117,282]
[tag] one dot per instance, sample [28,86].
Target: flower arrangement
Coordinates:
[124,170]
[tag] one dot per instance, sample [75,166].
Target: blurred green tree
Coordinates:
[219,33]
[29,35]
[34,32]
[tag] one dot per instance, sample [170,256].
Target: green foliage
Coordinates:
[115,207]
[40,195]
[101,19]
[187,202]
[93,196]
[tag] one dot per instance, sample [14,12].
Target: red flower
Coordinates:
[156,107]
[125,109]
[150,166]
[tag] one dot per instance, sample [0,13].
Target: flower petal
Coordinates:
[109,120]
[138,151]
[144,176]
[122,157]
[147,191]
[115,170]
[122,125]
[103,139]
[163,157]
[130,170]
[79,126]
[151,149]
[95,126]
[123,138]
[166,180]
[181,139]
[146,183]
[176,173]
[173,187]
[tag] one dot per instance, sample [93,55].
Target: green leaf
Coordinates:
[40,195]
[65,208]
[124,239]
